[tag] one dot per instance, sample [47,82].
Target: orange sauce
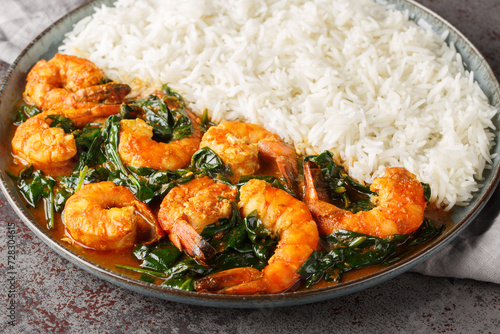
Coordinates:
[109,259]
[106,259]
[441,217]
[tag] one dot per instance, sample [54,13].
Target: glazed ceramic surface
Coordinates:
[45,46]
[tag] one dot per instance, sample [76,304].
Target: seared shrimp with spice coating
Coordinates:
[138,148]
[400,206]
[83,116]
[239,145]
[67,82]
[104,216]
[287,218]
[188,208]
[47,148]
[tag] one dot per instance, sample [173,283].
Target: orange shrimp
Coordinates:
[104,216]
[284,216]
[137,148]
[400,210]
[188,208]
[85,115]
[67,82]
[47,148]
[239,144]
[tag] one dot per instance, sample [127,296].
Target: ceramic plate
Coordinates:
[45,46]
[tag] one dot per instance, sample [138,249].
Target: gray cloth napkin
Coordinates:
[474,254]
[22,20]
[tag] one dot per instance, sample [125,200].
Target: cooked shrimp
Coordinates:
[287,218]
[137,148]
[70,82]
[109,93]
[188,208]
[104,216]
[85,115]
[239,144]
[400,209]
[59,76]
[47,148]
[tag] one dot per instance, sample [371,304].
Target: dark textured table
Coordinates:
[52,295]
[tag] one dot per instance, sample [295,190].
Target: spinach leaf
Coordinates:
[34,186]
[161,258]
[237,259]
[207,162]
[25,112]
[342,190]
[86,136]
[205,121]
[146,278]
[68,185]
[110,134]
[170,92]
[244,241]
[62,122]
[89,142]
[226,232]
[94,155]
[346,250]
[157,116]
[427,192]
[187,268]
[167,115]
[428,231]
[142,270]
[60,199]
[240,242]
[141,251]
[261,238]
[84,176]
[166,262]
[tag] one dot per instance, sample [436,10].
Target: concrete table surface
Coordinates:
[53,295]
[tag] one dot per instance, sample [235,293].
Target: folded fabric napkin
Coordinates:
[474,254]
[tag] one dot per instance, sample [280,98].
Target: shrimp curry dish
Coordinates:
[147,188]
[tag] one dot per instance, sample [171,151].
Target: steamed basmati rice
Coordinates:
[351,76]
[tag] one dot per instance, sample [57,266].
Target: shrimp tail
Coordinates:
[313,182]
[110,93]
[310,191]
[325,214]
[185,238]
[285,159]
[86,114]
[245,281]
[289,170]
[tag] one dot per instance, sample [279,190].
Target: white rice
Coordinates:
[351,76]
